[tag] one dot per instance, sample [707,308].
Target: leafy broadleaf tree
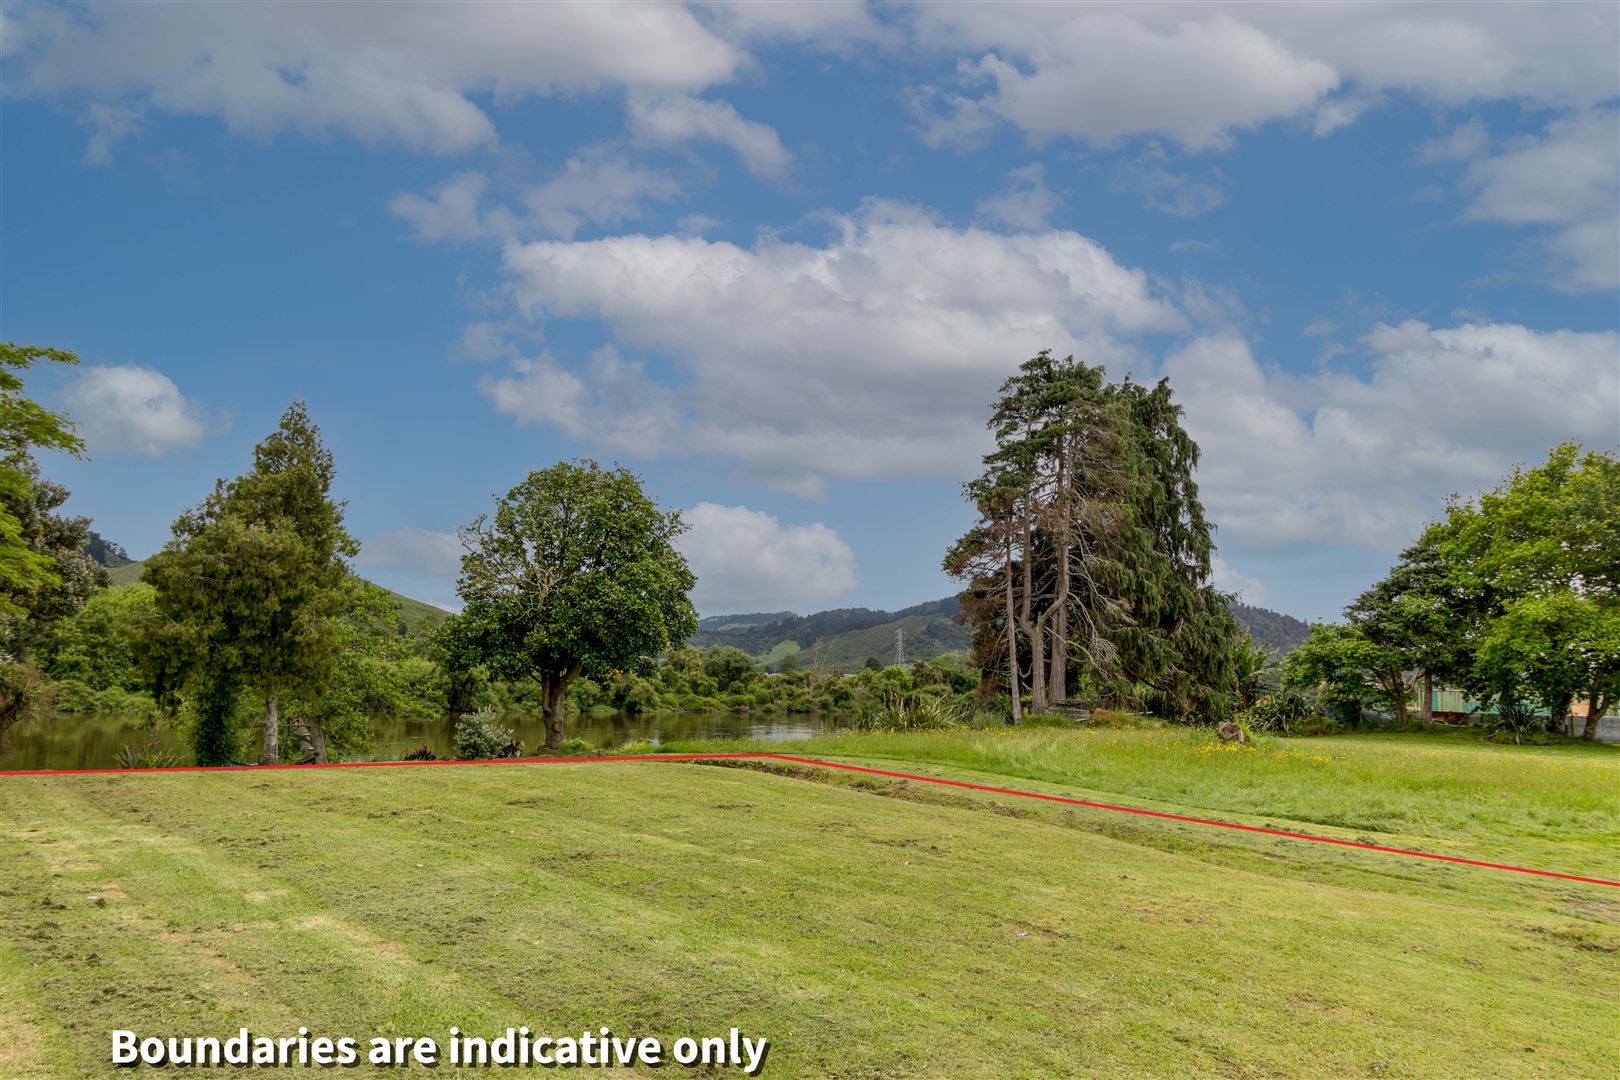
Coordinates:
[56,541]
[376,672]
[1350,672]
[575,573]
[25,426]
[253,583]
[44,575]
[1514,596]
[1534,570]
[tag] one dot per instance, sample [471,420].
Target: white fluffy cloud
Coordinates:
[126,408]
[1229,578]
[414,74]
[611,404]
[1101,75]
[455,211]
[432,554]
[402,73]
[1567,180]
[673,119]
[747,560]
[1198,72]
[872,355]
[1025,203]
[1345,458]
[599,186]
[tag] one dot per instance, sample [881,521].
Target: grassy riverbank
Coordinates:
[867,927]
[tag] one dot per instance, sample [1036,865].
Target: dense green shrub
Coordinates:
[632,694]
[576,748]
[77,696]
[730,668]
[1284,710]
[911,712]
[98,646]
[1119,719]
[1514,721]
[480,737]
[150,754]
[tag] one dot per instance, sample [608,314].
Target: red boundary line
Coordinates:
[1162,815]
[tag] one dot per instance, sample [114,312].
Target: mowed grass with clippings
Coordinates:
[869,927]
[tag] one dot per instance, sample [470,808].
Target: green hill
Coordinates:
[127,574]
[414,615]
[1278,632]
[844,638]
[417,617]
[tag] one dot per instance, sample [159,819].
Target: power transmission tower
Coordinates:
[900,647]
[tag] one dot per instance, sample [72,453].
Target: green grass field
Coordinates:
[868,927]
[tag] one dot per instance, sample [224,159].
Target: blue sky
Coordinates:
[776,259]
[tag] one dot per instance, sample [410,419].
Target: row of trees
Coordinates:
[1088,570]
[1513,597]
[249,618]
[575,573]
[252,604]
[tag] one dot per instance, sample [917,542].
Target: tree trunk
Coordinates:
[1596,706]
[555,689]
[1397,692]
[272,733]
[1012,642]
[1058,681]
[1037,667]
[1037,644]
[1558,714]
[313,738]
[1426,709]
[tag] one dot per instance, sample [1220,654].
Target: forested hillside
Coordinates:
[415,617]
[1278,632]
[106,552]
[843,637]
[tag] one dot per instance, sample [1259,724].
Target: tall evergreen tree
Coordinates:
[1180,637]
[1091,556]
[255,577]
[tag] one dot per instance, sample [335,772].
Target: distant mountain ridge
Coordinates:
[845,637]
[841,637]
[736,622]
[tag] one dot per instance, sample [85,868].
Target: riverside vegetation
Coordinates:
[950,933]
[1087,577]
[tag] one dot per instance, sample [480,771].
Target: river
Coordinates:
[93,740]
